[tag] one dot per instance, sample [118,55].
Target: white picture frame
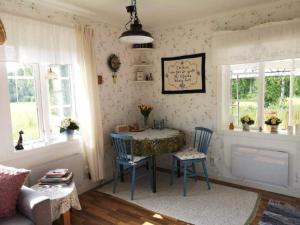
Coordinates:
[140,76]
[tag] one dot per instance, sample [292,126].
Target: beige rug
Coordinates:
[221,205]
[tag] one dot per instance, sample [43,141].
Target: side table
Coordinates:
[62,199]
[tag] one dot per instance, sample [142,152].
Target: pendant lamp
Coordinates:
[136,34]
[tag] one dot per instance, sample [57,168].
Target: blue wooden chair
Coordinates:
[190,156]
[122,144]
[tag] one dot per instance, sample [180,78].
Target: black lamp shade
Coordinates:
[136,35]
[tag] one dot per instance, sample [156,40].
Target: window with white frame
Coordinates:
[37,104]
[264,89]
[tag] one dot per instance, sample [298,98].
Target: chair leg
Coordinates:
[184,178]
[132,181]
[150,173]
[116,178]
[205,173]
[178,168]
[173,169]
[194,171]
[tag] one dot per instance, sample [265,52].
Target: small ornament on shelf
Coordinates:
[231,126]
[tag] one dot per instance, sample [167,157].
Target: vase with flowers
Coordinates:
[247,121]
[145,111]
[273,122]
[68,126]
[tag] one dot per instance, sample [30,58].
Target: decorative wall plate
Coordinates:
[114,62]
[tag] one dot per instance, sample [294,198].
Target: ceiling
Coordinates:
[155,13]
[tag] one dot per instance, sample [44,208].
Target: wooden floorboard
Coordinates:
[103,209]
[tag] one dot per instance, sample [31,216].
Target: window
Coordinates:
[60,102]
[23,99]
[37,104]
[264,89]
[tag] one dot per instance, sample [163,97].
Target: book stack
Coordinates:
[57,176]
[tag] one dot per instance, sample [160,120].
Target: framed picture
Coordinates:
[140,76]
[183,74]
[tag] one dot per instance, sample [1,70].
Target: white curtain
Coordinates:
[32,41]
[267,42]
[271,41]
[88,102]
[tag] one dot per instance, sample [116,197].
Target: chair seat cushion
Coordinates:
[189,153]
[17,219]
[136,159]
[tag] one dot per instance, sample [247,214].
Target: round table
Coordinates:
[156,142]
[62,199]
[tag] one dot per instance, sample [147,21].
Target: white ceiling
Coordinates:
[154,13]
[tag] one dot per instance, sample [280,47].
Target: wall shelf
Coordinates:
[142,49]
[142,65]
[144,81]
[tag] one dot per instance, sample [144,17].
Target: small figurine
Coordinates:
[231,126]
[19,145]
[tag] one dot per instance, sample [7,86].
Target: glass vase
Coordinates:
[146,121]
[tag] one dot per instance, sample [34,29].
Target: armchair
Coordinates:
[32,209]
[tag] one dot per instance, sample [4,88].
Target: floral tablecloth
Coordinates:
[62,198]
[156,142]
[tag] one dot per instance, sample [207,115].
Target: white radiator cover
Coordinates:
[261,165]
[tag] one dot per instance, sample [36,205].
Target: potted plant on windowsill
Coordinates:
[247,121]
[273,122]
[68,126]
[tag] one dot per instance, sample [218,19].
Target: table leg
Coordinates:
[67,218]
[178,168]
[121,173]
[154,173]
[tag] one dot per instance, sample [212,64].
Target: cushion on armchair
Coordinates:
[11,180]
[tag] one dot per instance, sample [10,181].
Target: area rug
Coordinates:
[277,213]
[221,205]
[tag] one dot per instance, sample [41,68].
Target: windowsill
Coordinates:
[281,135]
[59,140]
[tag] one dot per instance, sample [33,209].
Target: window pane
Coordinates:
[244,91]
[22,93]
[60,96]
[277,90]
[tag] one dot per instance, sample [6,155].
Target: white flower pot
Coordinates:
[274,128]
[246,127]
[70,134]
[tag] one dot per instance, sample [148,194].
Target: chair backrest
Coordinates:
[122,144]
[202,139]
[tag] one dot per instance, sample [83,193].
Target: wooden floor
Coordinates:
[103,209]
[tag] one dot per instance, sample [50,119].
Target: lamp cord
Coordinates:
[133,15]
